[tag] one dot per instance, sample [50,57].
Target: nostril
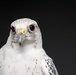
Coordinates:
[23,31]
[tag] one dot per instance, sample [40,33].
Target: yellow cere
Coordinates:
[21,30]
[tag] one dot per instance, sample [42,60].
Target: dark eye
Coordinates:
[13,29]
[32,27]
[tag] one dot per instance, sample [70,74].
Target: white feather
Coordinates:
[28,59]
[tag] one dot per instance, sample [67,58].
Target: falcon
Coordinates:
[23,53]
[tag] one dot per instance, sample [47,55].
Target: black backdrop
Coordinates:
[57,21]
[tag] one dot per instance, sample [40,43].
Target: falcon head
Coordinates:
[24,30]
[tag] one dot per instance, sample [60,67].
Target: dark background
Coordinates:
[57,21]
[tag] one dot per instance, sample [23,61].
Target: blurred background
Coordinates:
[57,21]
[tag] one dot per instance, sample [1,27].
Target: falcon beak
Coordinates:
[21,39]
[21,35]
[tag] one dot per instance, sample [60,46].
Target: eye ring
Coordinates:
[13,29]
[31,27]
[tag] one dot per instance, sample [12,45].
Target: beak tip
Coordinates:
[20,43]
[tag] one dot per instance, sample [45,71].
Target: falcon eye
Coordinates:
[13,29]
[32,27]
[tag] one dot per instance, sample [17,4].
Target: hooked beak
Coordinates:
[21,35]
[21,39]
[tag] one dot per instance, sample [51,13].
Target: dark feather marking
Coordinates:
[32,73]
[50,73]
[51,67]
[28,68]
[36,62]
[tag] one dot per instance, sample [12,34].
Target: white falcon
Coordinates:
[23,53]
